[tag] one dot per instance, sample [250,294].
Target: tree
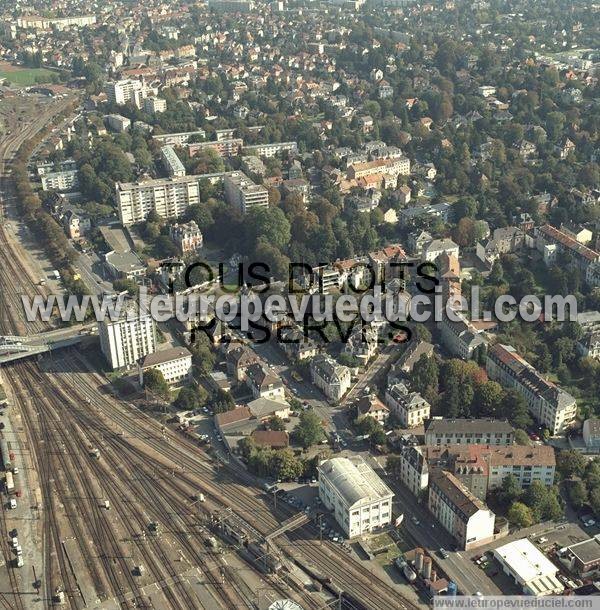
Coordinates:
[520,515]
[191,398]
[155,381]
[425,376]
[309,430]
[521,438]
[366,425]
[570,463]
[269,225]
[514,408]
[276,423]
[595,500]
[285,465]
[578,494]
[510,491]
[487,399]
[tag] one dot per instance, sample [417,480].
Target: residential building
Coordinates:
[171,161]
[331,378]
[125,91]
[409,408]
[549,404]
[273,439]
[359,500]
[232,421]
[174,363]
[117,122]
[459,511]
[188,236]
[64,181]
[124,264]
[371,406]
[296,345]
[125,341]
[436,247]
[154,105]
[244,194]
[270,150]
[239,358]
[179,138]
[224,148]
[263,382]
[413,469]
[168,197]
[529,568]
[469,431]
[264,408]
[461,337]
[591,434]
[526,464]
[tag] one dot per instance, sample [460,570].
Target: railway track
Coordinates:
[226,490]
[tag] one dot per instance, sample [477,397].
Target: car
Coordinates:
[219,438]
[543,540]
[443,553]
[478,594]
[415,520]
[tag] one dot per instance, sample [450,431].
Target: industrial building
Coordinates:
[359,500]
[529,568]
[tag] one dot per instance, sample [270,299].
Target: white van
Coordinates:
[13,503]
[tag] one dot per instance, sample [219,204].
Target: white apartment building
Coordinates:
[171,161]
[469,432]
[410,408]
[461,513]
[117,122]
[155,105]
[125,341]
[125,91]
[244,194]
[180,138]
[360,501]
[60,181]
[549,404]
[168,197]
[270,150]
[174,363]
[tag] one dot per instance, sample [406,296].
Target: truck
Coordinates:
[9,483]
[409,573]
[20,562]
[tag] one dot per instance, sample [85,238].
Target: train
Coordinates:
[9,483]
[6,455]
[265,561]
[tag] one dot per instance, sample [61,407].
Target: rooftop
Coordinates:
[165,355]
[354,480]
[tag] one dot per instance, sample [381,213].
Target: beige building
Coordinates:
[359,500]
[244,194]
[174,363]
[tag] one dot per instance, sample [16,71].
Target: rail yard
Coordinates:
[117,515]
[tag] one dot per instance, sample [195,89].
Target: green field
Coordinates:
[27,76]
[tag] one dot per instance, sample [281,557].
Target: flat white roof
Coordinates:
[530,566]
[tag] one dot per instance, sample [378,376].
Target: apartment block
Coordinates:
[180,138]
[169,198]
[414,470]
[224,148]
[244,194]
[117,122]
[60,181]
[460,512]
[469,431]
[125,341]
[125,92]
[549,404]
[409,408]
[171,161]
[270,150]
[155,105]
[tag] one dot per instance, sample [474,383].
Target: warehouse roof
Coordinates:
[354,480]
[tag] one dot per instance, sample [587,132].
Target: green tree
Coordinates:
[570,463]
[285,465]
[509,491]
[191,397]
[275,423]
[520,515]
[578,494]
[154,380]
[309,430]
[595,500]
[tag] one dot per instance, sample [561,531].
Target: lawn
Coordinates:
[26,77]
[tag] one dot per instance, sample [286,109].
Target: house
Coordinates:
[331,378]
[239,358]
[404,194]
[366,124]
[263,382]
[174,363]
[461,513]
[411,355]
[296,345]
[503,241]
[264,408]
[359,500]
[409,408]
[188,236]
[565,148]
[417,241]
[371,406]
[529,568]
[435,247]
[273,439]
[362,343]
